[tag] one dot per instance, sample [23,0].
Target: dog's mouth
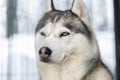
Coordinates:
[46,60]
[52,61]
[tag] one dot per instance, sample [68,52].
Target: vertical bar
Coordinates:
[117,36]
[11,29]
[11,17]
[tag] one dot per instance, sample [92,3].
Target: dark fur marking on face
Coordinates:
[70,21]
[50,16]
[76,25]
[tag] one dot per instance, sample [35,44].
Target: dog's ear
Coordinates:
[79,8]
[49,6]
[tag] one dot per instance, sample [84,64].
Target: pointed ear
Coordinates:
[79,8]
[49,6]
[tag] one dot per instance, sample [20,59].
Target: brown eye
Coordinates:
[43,34]
[64,34]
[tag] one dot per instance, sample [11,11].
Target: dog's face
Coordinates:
[60,34]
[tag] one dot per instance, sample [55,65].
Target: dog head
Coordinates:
[60,34]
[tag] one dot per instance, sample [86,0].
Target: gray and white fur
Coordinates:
[65,45]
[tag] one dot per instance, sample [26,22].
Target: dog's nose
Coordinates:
[45,52]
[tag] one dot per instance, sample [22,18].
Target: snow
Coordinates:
[23,45]
[106,43]
[22,60]
[3,55]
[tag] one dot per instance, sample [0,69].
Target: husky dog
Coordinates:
[66,47]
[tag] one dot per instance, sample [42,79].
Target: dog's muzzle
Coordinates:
[44,53]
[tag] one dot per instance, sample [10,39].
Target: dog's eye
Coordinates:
[43,34]
[64,34]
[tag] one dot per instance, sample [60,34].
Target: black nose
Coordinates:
[45,52]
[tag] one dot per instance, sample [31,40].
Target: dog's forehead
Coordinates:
[63,17]
[59,27]
[66,19]
[53,26]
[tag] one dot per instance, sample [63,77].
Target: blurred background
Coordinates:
[18,19]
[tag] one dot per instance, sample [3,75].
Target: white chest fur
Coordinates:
[74,70]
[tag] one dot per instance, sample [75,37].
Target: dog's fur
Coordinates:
[75,56]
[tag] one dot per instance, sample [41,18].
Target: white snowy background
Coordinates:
[17,55]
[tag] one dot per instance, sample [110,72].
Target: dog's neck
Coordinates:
[75,68]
